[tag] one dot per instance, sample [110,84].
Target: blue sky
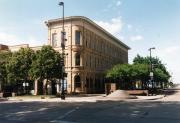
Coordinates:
[141,24]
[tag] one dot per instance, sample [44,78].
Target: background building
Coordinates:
[89,52]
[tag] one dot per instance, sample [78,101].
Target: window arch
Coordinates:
[77,59]
[77,81]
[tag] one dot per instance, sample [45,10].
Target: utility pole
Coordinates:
[63,48]
[151,68]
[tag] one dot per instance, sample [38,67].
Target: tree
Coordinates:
[138,71]
[46,65]
[161,75]
[4,58]
[19,65]
[128,74]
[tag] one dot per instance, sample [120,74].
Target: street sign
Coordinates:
[151,74]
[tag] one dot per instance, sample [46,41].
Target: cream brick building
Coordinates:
[90,51]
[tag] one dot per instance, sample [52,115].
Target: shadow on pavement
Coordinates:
[106,112]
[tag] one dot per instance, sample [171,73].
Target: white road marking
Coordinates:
[58,120]
[67,113]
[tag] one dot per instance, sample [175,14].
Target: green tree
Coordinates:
[128,74]
[4,58]
[160,71]
[123,73]
[19,65]
[138,71]
[46,65]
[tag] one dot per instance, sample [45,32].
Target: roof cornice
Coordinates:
[49,22]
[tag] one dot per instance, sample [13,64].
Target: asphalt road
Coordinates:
[98,112]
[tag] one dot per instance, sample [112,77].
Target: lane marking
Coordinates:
[58,120]
[67,113]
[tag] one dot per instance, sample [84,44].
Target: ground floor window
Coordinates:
[77,81]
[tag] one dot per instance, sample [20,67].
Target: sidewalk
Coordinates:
[82,99]
[3,99]
[150,97]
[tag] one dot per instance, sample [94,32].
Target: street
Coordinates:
[162,110]
[98,112]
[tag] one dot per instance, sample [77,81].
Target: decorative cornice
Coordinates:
[49,22]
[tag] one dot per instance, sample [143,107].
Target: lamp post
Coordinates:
[151,68]
[63,47]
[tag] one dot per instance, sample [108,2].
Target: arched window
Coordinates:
[77,81]
[77,59]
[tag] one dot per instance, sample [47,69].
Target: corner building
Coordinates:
[89,52]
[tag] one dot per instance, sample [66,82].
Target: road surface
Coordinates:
[166,110]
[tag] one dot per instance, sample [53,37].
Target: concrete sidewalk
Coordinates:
[150,97]
[83,99]
[3,99]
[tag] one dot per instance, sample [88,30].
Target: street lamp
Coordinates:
[63,47]
[151,68]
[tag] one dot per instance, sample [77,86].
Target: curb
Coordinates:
[151,97]
[3,99]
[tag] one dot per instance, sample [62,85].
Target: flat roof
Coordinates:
[91,22]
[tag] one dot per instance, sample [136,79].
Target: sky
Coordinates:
[141,24]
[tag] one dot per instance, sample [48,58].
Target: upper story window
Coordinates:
[63,39]
[86,43]
[77,59]
[54,40]
[77,37]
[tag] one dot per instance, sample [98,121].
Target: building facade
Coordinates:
[89,52]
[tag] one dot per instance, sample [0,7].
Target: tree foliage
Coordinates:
[19,65]
[160,71]
[46,64]
[4,58]
[26,65]
[139,70]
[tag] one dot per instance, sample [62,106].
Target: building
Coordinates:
[89,52]
[3,47]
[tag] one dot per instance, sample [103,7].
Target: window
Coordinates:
[87,61]
[77,81]
[87,82]
[90,61]
[63,39]
[54,40]
[77,37]
[77,60]
[86,43]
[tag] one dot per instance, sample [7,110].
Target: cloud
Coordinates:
[113,5]
[136,38]
[172,50]
[129,26]
[121,37]
[118,3]
[4,36]
[11,39]
[114,26]
[170,55]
